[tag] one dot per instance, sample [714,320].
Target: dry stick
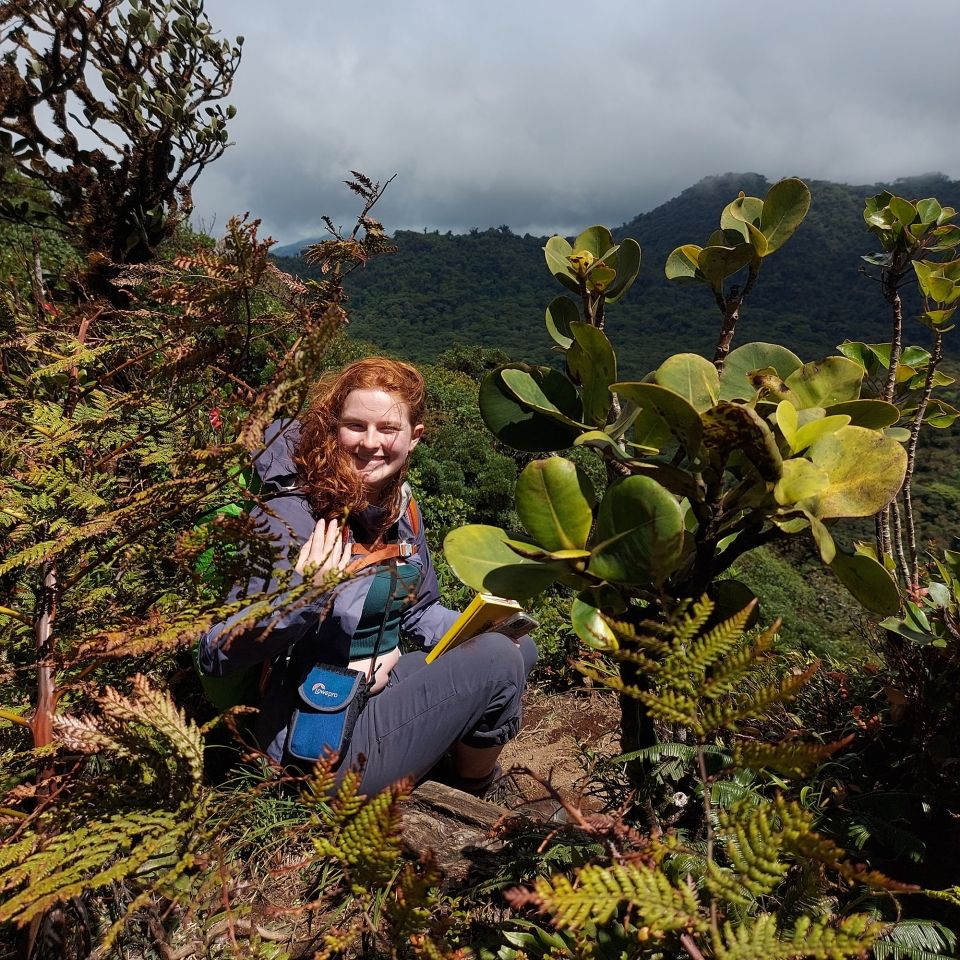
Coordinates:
[36,279]
[690,945]
[913,580]
[42,723]
[708,816]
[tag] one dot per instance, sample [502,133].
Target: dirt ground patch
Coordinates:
[559,727]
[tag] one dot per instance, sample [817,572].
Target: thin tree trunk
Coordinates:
[913,579]
[731,314]
[890,280]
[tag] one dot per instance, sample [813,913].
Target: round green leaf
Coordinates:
[817,427]
[823,383]
[693,377]
[801,480]
[868,582]
[592,362]
[822,538]
[682,263]
[639,535]
[718,263]
[677,418]
[596,240]
[561,312]
[735,382]
[929,210]
[903,210]
[590,626]
[517,424]
[626,261]
[741,211]
[743,216]
[872,414]
[545,390]
[940,414]
[787,421]
[480,556]
[730,427]
[784,207]
[555,252]
[555,501]
[865,471]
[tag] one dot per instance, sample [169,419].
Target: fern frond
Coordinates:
[757,937]
[801,839]
[702,651]
[95,851]
[79,357]
[671,706]
[721,715]
[916,940]
[753,849]
[680,751]
[600,891]
[791,758]
[729,673]
[690,624]
[363,836]
[724,884]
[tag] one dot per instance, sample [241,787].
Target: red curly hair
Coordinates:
[324,468]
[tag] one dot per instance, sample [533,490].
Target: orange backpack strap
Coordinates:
[368,558]
[413,516]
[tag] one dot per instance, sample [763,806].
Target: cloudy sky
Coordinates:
[553,115]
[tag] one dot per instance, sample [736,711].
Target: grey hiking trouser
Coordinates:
[471,694]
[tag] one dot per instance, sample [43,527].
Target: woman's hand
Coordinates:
[326,549]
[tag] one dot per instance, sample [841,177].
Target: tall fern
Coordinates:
[744,891]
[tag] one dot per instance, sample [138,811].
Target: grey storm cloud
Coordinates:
[548,116]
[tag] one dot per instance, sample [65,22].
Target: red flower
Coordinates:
[216,421]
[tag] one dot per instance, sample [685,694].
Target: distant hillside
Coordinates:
[491,287]
[296,248]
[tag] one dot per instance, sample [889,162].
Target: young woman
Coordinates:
[347,457]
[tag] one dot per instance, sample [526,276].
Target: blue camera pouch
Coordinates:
[331,699]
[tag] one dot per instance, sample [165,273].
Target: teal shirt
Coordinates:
[378,602]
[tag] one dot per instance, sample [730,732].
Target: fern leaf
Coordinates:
[752,845]
[700,653]
[600,891]
[801,839]
[916,940]
[792,759]
[758,937]
[719,716]
[728,674]
[670,706]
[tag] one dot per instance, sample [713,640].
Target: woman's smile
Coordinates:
[376,431]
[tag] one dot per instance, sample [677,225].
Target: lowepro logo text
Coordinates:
[320,690]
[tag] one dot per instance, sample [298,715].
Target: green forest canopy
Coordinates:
[488,287]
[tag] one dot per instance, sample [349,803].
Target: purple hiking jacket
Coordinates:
[320,630]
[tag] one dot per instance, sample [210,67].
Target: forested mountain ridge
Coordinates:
[490,286]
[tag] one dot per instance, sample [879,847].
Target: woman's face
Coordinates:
[375,430]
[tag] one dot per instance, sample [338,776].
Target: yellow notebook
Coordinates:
[484,612]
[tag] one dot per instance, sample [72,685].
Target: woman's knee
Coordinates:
[501,655]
